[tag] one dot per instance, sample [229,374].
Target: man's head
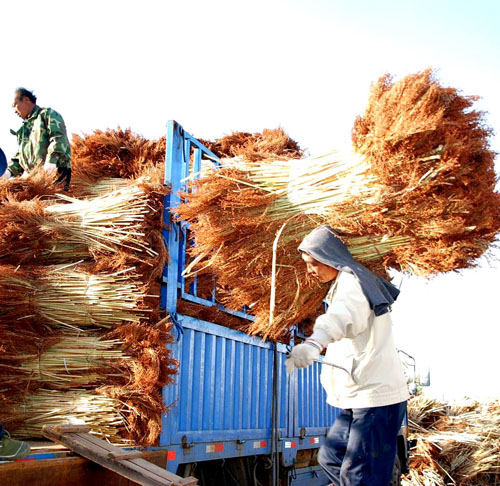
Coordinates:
[324,273]
[24,102]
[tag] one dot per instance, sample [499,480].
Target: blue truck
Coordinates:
[235,404]
[237,418]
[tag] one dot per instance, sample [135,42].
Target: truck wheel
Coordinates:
[396,473]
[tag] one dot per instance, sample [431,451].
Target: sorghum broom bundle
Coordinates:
[274,144]
[37,185]
[427,206]
[151,367]
[34,229]
[456,443]
[71,296]
[29,360]
[104,415]
[115,154]
[130,363]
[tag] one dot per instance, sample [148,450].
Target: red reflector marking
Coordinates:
[219,447]
[25,460]
[293,444]
[170,455]
[263,443]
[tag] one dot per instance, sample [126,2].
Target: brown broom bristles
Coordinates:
[114,154]
[431,205]
[270,144]
[456,443]
[151,367]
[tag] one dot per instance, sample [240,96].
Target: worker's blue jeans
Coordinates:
[361,447]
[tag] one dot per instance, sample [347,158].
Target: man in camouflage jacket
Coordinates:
[42,139]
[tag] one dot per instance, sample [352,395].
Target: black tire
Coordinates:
[396,473]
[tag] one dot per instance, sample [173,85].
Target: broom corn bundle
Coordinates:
[105,223]
[417,194]
[63,362]
[78,406]
[71,297]
[457,443]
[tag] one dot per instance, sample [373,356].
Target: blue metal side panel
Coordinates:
[224,387]
[312,415]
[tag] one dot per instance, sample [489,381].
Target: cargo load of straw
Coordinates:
[84,340]
[457,443]
[416,194]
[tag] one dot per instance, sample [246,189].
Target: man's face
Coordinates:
[22,106]
[324,273]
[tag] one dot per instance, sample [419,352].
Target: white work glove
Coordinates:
[302,356]
[49,167]
[7,174]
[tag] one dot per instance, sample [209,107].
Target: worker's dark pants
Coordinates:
[2,432]
[361,447]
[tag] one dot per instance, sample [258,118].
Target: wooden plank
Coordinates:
[159,473]
[97,450]
[124,455]
[69,471]
[71,428]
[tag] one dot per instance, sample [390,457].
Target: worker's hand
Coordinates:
[302,356]
[49,167]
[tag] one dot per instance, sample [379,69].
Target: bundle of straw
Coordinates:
[149,368]
[114,154]
[71,297]
[37,185]
[456,443]
[53,407]
[57,361]
[103,224]
[130,364]
[426,205]
[272,144]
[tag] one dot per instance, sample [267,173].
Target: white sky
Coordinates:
[227,65]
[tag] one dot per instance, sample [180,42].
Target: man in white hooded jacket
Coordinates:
[361,447]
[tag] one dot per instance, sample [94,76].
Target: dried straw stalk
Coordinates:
[456,443]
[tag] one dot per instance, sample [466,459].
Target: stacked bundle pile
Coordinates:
[457,444]
[417,194]
[81,334]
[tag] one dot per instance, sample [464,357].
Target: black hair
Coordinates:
[22,92]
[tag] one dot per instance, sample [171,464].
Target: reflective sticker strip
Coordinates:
[170,455]
[259,444]
[290,444]
[215,448]
[314,440]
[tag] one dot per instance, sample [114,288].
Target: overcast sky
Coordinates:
[221,66]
